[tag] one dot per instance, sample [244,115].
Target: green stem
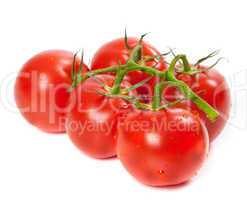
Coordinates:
[118,80]
[211,113]
[158,88]
[168,75]
[186,64]
[103,70]
[136,53]
[171,70]
[185,61]
[80,79]
[132,66]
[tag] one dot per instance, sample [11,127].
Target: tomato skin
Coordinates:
[41,89]
[162,156]
[115,52]
[92,123]
[212,87]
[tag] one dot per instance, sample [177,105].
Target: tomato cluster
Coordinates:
[158,118]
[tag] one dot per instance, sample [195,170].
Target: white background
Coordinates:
[35,165]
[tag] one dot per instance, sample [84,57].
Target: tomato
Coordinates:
[41,89]
[162,148]
[92,123]
[212,87]
[115,52]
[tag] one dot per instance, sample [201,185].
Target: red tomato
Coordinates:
[212,87]
[41,89]
[92,123]
[162,148]
[113,52]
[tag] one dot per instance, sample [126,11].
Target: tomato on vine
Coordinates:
[92,123]
[41,89]
[162,148]
[211,86]
[119,51]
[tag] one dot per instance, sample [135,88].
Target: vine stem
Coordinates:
[158,88]
[211,113]
[165,77]
[119,78]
